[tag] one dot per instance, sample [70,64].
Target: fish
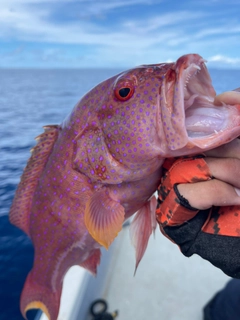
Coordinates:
[103,164]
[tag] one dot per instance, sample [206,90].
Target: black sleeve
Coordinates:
[222,251]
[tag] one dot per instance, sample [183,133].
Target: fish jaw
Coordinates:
[193,121]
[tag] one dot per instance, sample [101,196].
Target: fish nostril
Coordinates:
[149,70]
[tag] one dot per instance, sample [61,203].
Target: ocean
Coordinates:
[30,99]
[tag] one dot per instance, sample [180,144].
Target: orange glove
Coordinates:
[214,234]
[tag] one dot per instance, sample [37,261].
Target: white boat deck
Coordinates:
[167,285]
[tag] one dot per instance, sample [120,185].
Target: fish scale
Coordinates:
[88,175]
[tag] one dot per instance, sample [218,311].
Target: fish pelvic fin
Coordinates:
[37,296]
[142,226]
[103,217]
[21,206]
[92,262]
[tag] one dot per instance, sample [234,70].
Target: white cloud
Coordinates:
[160,20]
[156,38]
[223,30]
[223,59]
[33,25]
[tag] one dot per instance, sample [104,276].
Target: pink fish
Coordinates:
[88,175]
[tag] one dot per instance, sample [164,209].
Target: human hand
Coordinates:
[224,189]
[199,206]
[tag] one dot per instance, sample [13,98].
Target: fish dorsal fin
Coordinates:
[103,217]
[142,226]
[20,209]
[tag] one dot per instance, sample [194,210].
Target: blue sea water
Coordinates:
[30,99]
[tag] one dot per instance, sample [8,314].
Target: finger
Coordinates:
[225,169]
[203,195]
[229,150]
[228,97]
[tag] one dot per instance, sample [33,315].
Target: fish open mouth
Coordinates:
[202,116]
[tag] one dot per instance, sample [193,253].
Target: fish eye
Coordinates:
[123,93]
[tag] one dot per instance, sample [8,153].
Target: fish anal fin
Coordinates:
[40,296]
[92,262]
[142,226]
[103,217]
[20,209]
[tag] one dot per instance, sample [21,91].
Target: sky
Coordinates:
[117,33]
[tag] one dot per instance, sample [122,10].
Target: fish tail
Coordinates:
[37,296]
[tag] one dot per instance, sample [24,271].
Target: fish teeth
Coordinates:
[189,75]
[196,67]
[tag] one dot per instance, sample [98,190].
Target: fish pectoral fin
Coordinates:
[103,217]
[142,226]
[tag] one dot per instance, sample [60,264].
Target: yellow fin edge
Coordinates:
[37,305]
